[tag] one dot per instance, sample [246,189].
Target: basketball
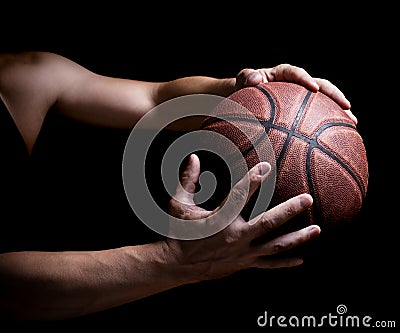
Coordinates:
[316,145]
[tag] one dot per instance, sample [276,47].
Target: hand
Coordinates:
[250,77]
[235,247]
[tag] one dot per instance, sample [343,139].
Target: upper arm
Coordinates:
[93,98]
[31,83]
[103,100]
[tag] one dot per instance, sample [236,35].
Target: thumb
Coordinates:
[253,78]
[248,77]
[190,176]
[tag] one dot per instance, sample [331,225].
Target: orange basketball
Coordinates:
[318,149]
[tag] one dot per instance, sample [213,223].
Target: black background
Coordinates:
[78,167]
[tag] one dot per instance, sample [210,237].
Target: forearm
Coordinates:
[120,103]
[53,285]
[193,85]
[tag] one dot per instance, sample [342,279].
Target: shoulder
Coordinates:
[33,72]
[31,82]
[29,58]
[25,60]
[18,69]
[36,61]
[29,62]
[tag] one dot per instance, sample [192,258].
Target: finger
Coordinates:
[287,241]
[186,188]
[186,211]
[272,263]
[249,77]
[290,73]
[352,116]
[276,216]
[241,192]
[241,78]
[254,78]
[333,92]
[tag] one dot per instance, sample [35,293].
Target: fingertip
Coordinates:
[193,157]
[314,230]
[352,116]
[293,262]
[347,103]
[314,86]
[192,170]
[263,168]
[311,83]
[306,200]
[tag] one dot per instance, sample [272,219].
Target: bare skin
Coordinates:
[33,82]
[240,250]
[57,285]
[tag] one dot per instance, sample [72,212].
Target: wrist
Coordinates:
[227,86]
[182,267]
[158,265]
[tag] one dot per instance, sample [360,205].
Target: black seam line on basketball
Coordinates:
[236,157]
[215,119]
[254,145]
[306,138]
[210,121]
[267,124]
[317,211]
[251,120]
[315,144]
[291,132]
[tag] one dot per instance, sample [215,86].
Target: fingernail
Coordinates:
[264,168]
[351,115]
[314,230]
[306,200]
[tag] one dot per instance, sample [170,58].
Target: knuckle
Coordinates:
[253,176]
[285,66]
[245,71]
[186,214]
[267,224]
[239,194]
[231,238]
[278,247]
[290,211]
[255,179]
[301,69]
